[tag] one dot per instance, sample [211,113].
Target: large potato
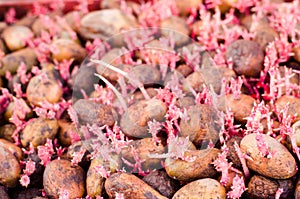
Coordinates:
[281,165]
[38,130]
[15,36]
[130,186]
[61,175]
[201,189]
[9,168]
[144,148]
[201,125]
[90,112]
[134,121]
[12,61]
[201,167]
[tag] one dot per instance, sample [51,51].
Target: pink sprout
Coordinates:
[221,164]
[102,171]
[242,158]
[119,196]
[154,128]
[38,9]
[24,180]
[64,68]
[237,188]
[10,16]
[29,168]
[21,73]
[64,194]
[51,111]
[45,152]
[77,156]
[278,193]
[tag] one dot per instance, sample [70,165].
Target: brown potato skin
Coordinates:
[38,130]
[261,187]
[131,186]
[14,149]
[9,167]
[281,166]
[247,57]
[195,81]
[202,167]
[144,147]
[94,181]
[65,130]
[147,75]
[15,36]
[90,112]
[201,189]
[6,131]
[68,49]
[134,121]
[294,105]
[12,61]
[201,125]
[61,174]
[185,6]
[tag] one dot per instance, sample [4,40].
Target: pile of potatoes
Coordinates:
[143,166]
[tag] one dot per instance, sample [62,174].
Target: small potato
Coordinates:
[105,23]
[162,183]
[247,57]
[144,148]
[281,165]
[145,74]
[130,186]
[68,49]
[14,149]
[15,36]
[201,167]
[184,70]
[90,112]
[201,125]
[9,168]
[241,107]
[195,81]
[61,175]
[44,87]
[6,132]
[294,105]
[134,121]
[66,131]
[232,155]
[38,130]
[12,61]
[177,27]
[201,189]
[261,187]
[264,34]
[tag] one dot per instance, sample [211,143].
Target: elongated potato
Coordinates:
[201,167]
[130,186]
[201,189]
[281,165]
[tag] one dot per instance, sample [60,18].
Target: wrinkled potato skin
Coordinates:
[201,189]
[12,61]
[61,174]
[9,167]
[280,166]
[134,121]
[131,186]
[38,130]
[14,149]
[202,167]
[144,147]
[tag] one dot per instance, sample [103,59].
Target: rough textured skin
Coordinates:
[90,112]
[38,130]
[281,166]
[162,183]
[9,167]
[247,57]
[62,175]
[12,61]
[202,167]
[134,121]
[294,105]
[144,147]
[42,89]
[201,125]
[201,189]
[14,149]
[261,187]
[15,36]
[131,186]
[68,49]
[232,155]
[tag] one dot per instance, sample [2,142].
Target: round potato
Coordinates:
[247,57]
[6,132]
[38,130]
[201,167]
[134,121]
[14,149]
[281,165]
[66,131]
[9,168]
[130,186]
[15,36]
[61,175]
[201,189]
